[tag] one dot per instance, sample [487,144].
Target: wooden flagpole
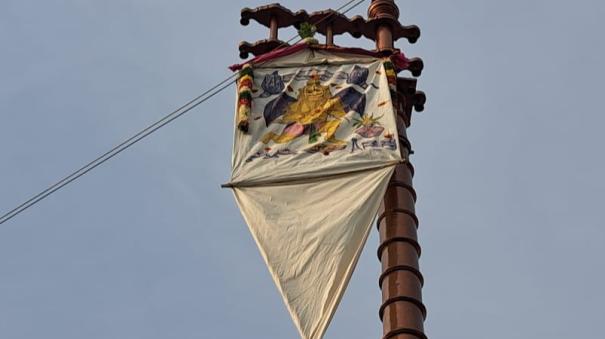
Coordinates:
[402,311]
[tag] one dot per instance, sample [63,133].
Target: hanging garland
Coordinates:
[244,97]
[391,74]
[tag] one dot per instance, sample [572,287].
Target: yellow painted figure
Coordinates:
[316,113]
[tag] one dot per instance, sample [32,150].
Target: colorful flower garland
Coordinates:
[244,97]
[391,74]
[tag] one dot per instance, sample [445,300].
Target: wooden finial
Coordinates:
[384,10]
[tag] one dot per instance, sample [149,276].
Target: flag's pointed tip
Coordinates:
[311,245]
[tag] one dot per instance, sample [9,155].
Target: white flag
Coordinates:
[315,146]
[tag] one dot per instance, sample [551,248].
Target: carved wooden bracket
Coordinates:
[411,33]
[259,47]
[416,65]
[328,23]
[410,99]
[263,15]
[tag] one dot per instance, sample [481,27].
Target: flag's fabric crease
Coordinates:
[315,146]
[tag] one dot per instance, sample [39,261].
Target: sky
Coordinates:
[509,166]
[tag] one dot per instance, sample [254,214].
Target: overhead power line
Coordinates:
[168,118]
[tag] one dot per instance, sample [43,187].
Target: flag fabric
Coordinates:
[314,148]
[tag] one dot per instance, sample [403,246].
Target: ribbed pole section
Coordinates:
[402,311]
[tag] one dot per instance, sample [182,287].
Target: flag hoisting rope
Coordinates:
[190,105]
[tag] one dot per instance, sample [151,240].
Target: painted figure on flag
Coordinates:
[316,112]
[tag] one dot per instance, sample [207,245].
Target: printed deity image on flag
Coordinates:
[315,145]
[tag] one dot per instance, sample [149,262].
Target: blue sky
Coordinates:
[509,166]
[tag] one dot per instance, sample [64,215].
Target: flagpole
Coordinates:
[402,311]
